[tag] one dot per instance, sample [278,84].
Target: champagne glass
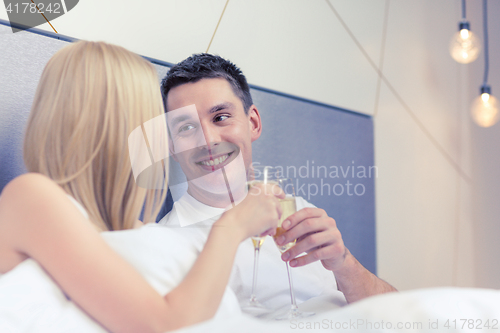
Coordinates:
[264,175]
[289,207]
[253,303]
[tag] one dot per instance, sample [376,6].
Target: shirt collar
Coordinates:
[191,211]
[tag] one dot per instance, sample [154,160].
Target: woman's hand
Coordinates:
[257,214]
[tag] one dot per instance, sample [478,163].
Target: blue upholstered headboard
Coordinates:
[327,150]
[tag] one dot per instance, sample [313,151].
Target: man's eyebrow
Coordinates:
[221,106]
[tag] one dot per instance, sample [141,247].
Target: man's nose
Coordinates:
[211,134]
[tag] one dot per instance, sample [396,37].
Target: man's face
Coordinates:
[215,134]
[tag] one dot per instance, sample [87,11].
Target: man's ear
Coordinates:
[254,122]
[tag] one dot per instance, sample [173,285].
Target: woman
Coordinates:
[90,97]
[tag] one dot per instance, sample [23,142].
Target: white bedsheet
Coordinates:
[31,302]
[425,310]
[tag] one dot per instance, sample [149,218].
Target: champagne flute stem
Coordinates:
[290,282]
[255,269]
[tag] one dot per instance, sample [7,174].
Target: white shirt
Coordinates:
[195,220]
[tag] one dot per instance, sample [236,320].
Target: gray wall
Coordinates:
[299,135]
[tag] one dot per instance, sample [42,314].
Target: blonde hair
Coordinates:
[90,97]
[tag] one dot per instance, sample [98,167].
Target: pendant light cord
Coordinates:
[463,10]
[217,27]
[485,28]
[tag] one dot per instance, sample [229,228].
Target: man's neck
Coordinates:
[222,200]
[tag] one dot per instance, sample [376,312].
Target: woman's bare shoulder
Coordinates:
[20,203]
[23,198]
[28,181]
[30,187]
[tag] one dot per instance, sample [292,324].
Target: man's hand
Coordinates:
[317,235]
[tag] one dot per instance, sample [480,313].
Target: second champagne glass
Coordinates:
[289,206]
[265,174]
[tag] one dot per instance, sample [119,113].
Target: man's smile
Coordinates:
[212,163]
[215,160]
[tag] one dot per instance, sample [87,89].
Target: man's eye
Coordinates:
[186,128]
[220,117]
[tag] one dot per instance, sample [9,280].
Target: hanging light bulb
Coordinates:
[464,46]
[484,109]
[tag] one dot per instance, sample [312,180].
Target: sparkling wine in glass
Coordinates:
[264,175]
[289,206]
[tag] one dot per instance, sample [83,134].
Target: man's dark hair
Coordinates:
[207,66]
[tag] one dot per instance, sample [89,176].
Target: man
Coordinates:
[213,122]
